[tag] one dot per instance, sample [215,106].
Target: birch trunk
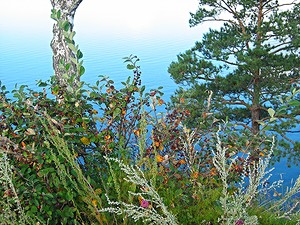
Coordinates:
[61,51]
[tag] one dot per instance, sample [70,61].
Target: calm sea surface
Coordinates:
[26,57]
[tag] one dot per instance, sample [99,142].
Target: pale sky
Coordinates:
[136,15]
[122,16]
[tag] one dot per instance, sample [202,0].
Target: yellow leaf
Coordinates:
[140,198]
[137,132]
[94,202]
[160,102]
[83,124]
[85,140]
[161,147]
[182,161]
[195,175]
[159,158]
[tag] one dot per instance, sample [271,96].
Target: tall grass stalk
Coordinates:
[79,182]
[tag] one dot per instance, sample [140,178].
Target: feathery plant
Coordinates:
[190,154]
[280,205]
[254,175]
[151,209]
[11,211]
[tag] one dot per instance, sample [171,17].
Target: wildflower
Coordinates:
[144,203]
[239,222]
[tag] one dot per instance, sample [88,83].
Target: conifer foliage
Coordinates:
[249,59]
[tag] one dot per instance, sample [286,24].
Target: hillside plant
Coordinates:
[79,161]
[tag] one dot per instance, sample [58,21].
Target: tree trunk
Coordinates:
[255,116]
[61,51]
[255,109]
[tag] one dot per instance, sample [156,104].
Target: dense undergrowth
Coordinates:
[108,155]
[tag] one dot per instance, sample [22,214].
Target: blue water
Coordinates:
[26,57]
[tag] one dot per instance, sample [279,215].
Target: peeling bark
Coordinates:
[61,51]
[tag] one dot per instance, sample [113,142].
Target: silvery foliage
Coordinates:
[254,176]
[10,200]
[157,213]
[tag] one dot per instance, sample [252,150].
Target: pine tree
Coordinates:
[249,61]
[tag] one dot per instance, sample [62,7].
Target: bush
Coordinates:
[105,150]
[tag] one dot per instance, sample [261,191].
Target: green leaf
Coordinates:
[74,60]
[72,47]
[294,103]
[67,212]
[271,112]
[66,26]
[53,14]
[130,66]
[79,54]
[81,70]
[58,14]
[45,171]
[68,65]
[42,84]
[71,35]
[69,196]
[116,112]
